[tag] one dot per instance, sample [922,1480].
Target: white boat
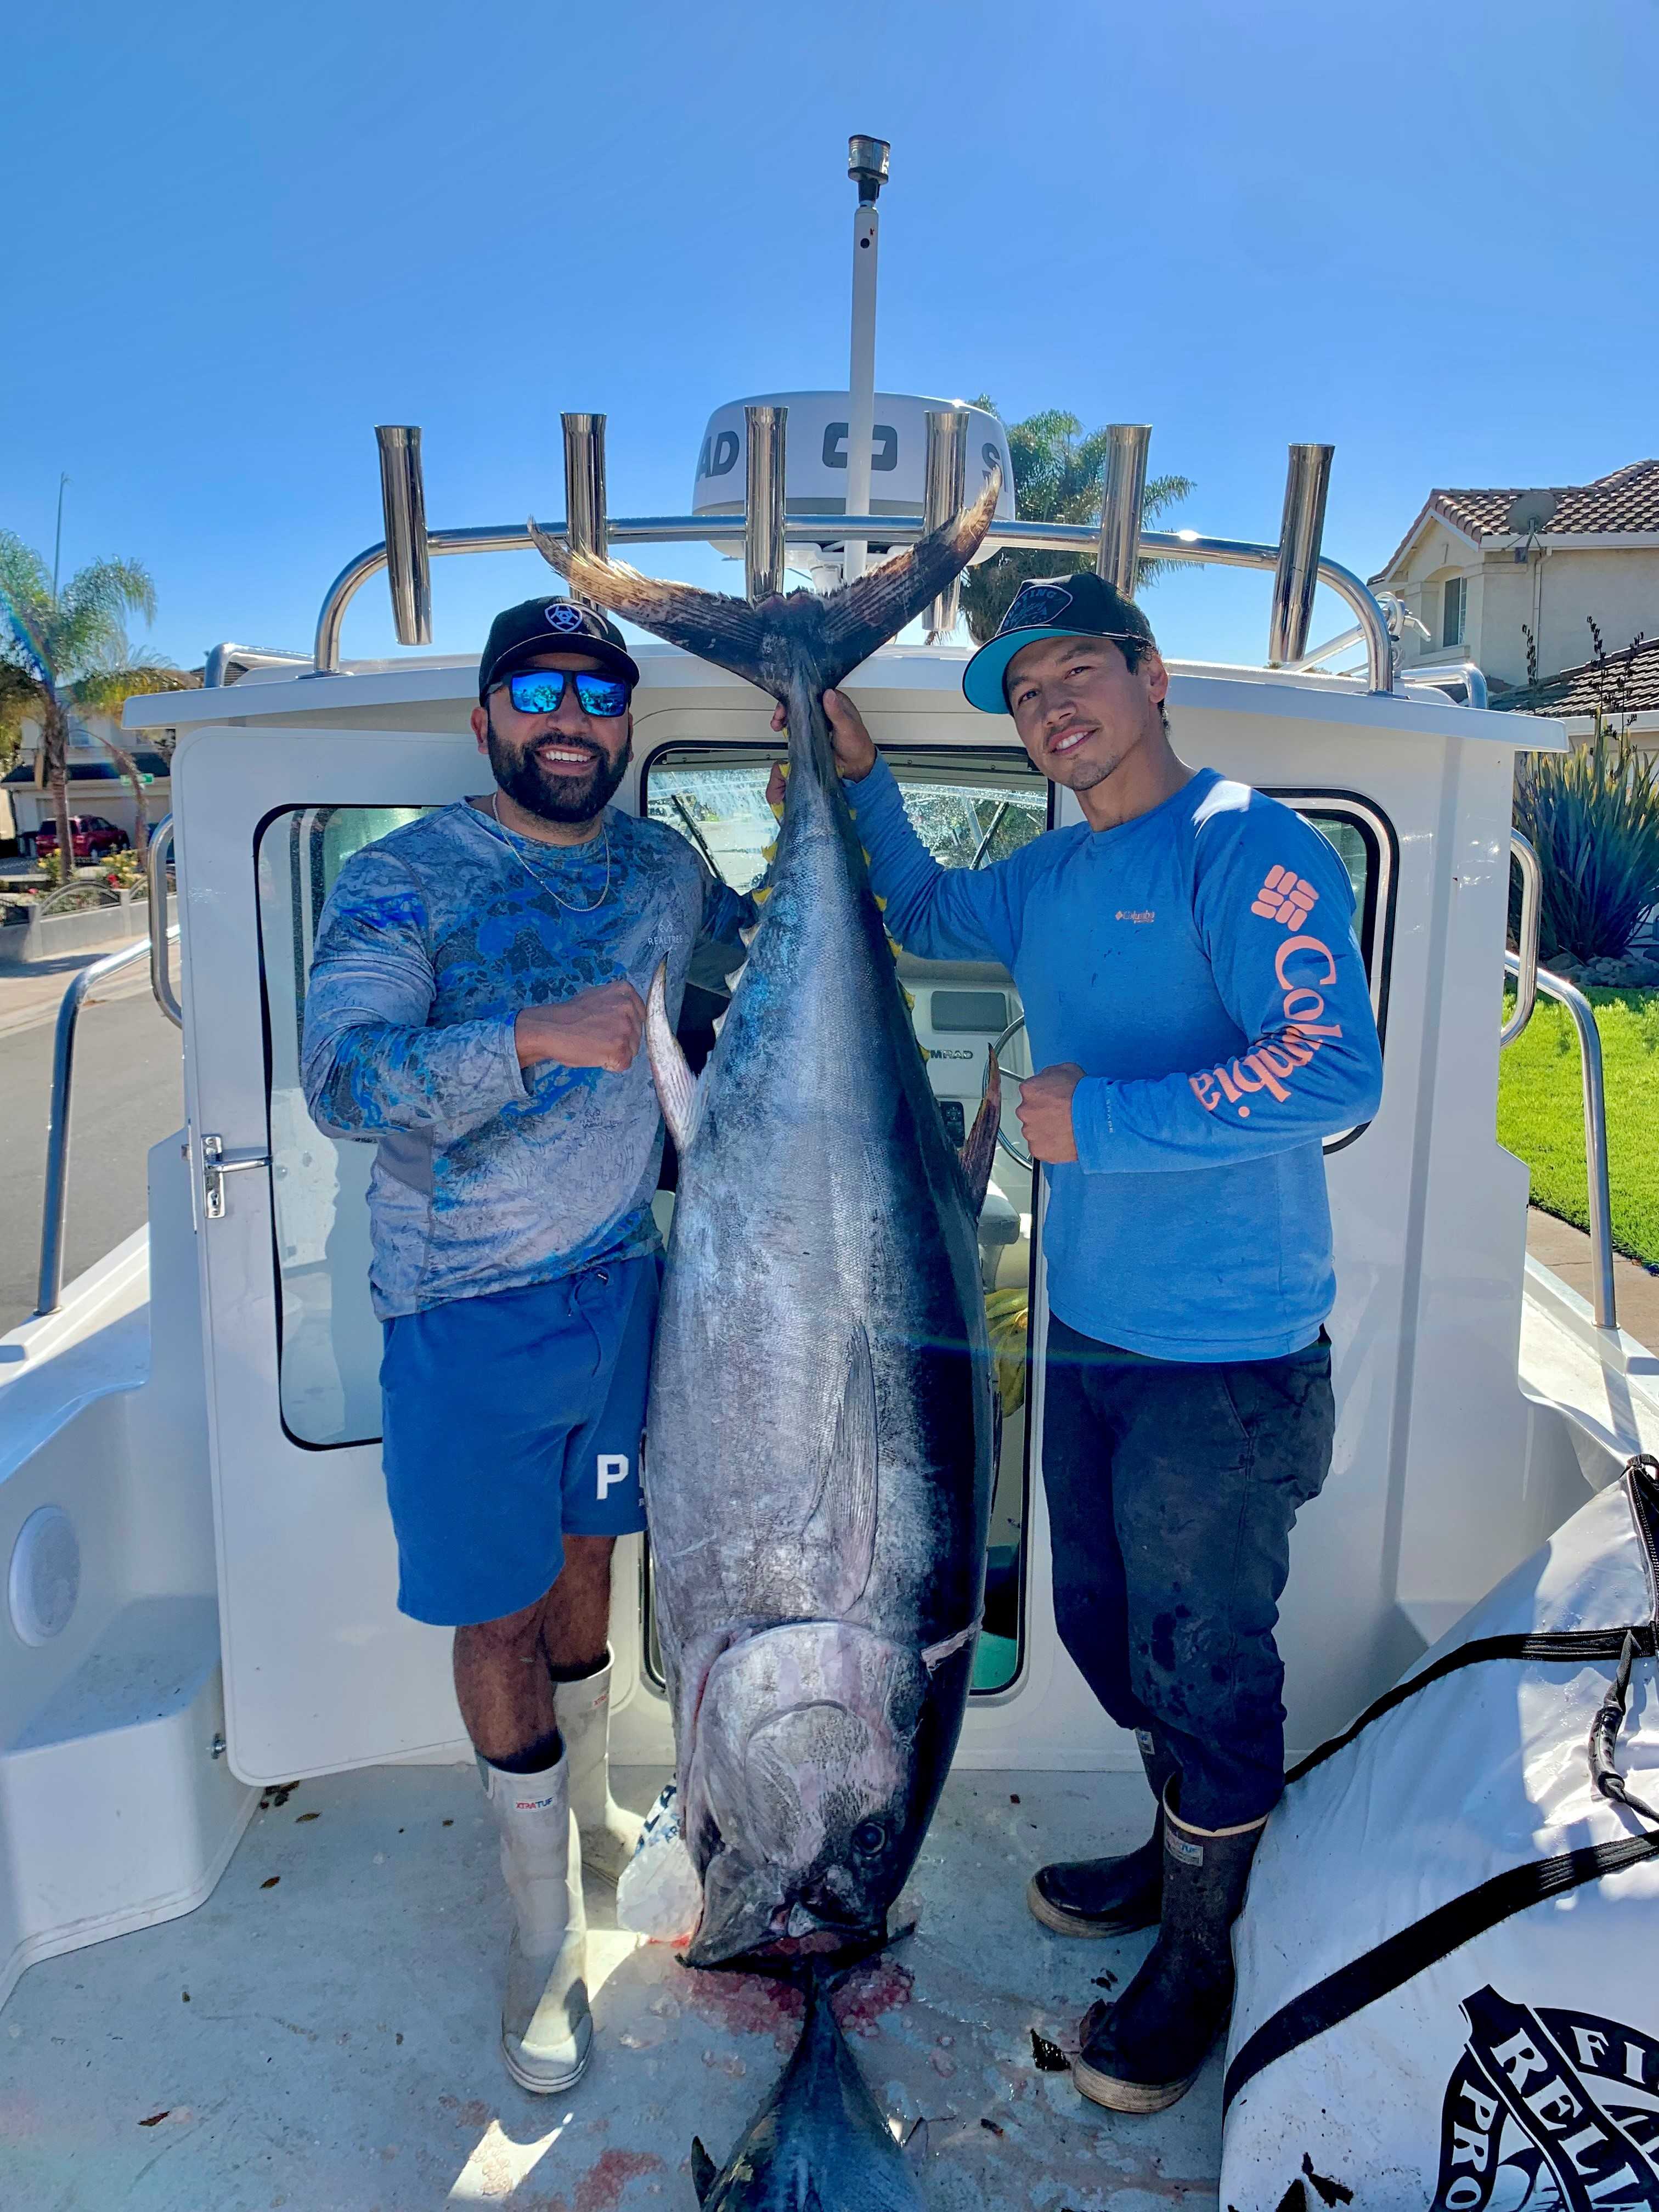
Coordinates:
[209,1700]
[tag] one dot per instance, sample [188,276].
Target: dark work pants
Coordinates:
[1172,1488]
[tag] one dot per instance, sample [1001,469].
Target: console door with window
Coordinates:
[321,1671]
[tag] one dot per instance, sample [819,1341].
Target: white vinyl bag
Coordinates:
[1449,1957]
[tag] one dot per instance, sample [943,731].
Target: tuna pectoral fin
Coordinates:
[676,1087]
[704,2171]
[979,1153]
[841,1526]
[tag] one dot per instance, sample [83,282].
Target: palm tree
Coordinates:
[66,649]
[1057,472]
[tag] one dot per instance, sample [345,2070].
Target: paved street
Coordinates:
[128,1093]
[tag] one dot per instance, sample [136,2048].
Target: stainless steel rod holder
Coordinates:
[944,493]
[403,500]
[1307,482]
[584,485]
[1122,497]
[1072,541]
[764,513]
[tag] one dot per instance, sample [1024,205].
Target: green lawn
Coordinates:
[1540,1115]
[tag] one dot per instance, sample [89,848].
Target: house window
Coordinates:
[1452,609]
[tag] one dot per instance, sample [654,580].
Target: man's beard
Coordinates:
[566,799]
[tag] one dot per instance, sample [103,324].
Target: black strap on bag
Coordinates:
[1410,1952]
[1565,1647]
[1377,1973]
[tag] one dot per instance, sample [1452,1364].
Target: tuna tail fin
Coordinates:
[978,1154]
[763,643]
[704,2171]
[865,613]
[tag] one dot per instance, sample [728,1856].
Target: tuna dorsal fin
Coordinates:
[704,2171]
[764,643]
[842,1520]
[676,1087]
[979,1154]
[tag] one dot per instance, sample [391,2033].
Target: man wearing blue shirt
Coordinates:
[1198,1012]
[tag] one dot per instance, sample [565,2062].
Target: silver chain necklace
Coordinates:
[535,874]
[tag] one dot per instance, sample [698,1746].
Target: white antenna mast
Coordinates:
[866,164]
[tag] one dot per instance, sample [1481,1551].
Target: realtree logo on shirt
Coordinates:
[1549,2108]
[1272,1065]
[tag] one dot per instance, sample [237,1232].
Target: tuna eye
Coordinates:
[869,1838]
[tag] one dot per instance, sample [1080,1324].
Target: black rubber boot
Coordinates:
[1110,1897]
[1142,2053]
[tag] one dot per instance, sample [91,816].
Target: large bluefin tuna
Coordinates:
[818,1451]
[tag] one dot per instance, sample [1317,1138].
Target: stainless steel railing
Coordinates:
[1526,970]
[55,1208]
[1603,1300]
[1529,980]
[160,982]
[1079,539]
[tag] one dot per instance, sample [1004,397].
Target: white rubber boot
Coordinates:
[547,2031]
[609,1831]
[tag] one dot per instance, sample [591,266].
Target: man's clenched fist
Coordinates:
[600,1027]
[1045,1111]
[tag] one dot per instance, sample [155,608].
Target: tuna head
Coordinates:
[804,1803]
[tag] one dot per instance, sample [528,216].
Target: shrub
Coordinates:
[1592,814]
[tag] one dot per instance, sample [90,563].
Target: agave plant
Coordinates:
[1592,814]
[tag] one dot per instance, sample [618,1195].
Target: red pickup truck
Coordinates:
[90,838]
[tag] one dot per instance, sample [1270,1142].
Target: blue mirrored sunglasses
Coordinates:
[541,691]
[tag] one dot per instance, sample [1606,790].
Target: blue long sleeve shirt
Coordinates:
[488,1176]
[1199,963]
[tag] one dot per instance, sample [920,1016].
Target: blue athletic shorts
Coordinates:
[509,1422]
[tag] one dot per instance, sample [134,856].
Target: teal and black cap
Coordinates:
[542,625]
[1084,606]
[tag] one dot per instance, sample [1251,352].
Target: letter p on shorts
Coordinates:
[612,1470]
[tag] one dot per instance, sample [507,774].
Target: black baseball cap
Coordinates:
[519,633]
[1084,605]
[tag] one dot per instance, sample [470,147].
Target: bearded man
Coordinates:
[476,1007]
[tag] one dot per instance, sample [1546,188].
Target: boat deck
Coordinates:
[321,2033]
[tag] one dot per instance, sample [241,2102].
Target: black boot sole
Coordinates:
[1128,1920]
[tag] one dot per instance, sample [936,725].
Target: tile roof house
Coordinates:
[1482,570]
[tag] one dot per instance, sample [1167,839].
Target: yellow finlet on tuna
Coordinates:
[761,894]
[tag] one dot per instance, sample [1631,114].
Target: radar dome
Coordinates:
[815,457]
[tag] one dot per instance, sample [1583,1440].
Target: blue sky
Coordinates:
[238,243]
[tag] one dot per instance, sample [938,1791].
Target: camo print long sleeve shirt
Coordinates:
[488,1176]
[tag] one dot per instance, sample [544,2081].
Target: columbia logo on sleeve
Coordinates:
[1285,897]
